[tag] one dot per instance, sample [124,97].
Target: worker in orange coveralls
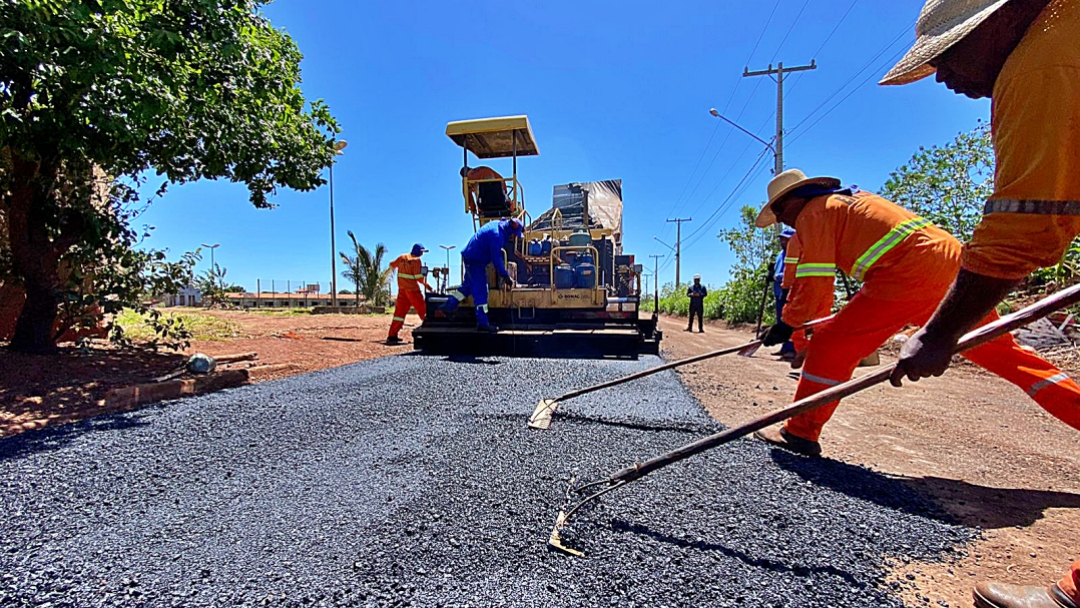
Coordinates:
[906,265]
[491,195]
[409,280]
[1025,55]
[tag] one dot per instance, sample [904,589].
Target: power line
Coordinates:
[835,29]
[840,89]
[793,22]
[731,97]
[872,75]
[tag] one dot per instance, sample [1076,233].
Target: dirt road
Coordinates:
[975,444]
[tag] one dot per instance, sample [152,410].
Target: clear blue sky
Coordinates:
[613,90]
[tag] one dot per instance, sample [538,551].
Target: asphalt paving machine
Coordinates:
[574,292]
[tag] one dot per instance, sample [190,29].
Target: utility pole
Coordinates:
[678,245]
[779,71]
[656,283]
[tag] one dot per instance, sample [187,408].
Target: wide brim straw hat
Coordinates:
[781,185]
[942,23]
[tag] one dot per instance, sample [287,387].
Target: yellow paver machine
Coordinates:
[573,292]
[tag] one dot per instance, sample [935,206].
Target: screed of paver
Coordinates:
[414,481]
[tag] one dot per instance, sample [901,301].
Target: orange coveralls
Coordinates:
[791,261]
[1034,213]
[906,264]
[409,280]
[483,173]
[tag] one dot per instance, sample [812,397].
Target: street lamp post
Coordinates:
[768,145]
[338,147]
[448,248]
[213,266]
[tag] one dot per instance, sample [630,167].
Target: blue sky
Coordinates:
[612,89]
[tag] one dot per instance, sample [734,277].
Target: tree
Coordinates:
[188,89]
[365,270]
[754,248]
[211,284]
[947,185]
[235,289]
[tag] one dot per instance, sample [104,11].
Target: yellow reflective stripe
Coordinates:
[791,260]
[409,276]
[815,270]
[402,319]
[885,244]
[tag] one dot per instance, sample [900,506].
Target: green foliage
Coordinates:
[103,92]
[211,284]
[740,298]
[235,289]
[364,269]
[947,185]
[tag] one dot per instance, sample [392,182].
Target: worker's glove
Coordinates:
[777,334]
[505,282]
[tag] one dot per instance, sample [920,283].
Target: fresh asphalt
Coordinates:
[413,481]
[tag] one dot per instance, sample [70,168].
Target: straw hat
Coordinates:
[783,184]
[942,23]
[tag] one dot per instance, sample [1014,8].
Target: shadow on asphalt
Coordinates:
[54,438]
[756,562]
[959,502]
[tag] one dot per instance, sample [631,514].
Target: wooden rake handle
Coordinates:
[972,339]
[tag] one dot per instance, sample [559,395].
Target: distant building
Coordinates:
[303,298]
[188,296]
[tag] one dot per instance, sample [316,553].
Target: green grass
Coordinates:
[281,312]
[202,326]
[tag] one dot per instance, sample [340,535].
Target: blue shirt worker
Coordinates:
[697,293]
[787,349]
[485,247]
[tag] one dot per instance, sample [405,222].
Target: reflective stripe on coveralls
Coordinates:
[866,323]
[1032,216]
[885,245]
[815,270]
[405,300]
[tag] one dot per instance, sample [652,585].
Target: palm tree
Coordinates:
[365,270]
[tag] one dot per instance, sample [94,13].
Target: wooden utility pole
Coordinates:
[678,245]
[779,71]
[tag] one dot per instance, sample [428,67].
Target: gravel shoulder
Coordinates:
[969,441]
[413,481]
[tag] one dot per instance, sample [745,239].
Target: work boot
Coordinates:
[393,340]
[689,330]
[781,438]
[1001,595]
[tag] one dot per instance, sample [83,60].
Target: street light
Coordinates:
[338,147]
[213,267]
[448,248]
[734,124]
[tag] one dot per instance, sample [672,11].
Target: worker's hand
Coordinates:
[777,334]
[922,356]
[505,282]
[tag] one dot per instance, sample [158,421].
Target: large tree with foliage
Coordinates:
[948,184]
[754,248]
[185,89]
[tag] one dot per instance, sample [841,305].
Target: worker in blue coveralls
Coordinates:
[485,247]
[787,349]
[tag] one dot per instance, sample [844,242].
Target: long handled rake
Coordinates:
[541,416]
[619,479]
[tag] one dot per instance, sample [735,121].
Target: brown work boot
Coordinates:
[1001,595]
[781,438]
[799,359]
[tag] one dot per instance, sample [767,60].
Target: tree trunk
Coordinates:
[34,259]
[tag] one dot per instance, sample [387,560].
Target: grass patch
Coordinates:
[202,326]
[281,312]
